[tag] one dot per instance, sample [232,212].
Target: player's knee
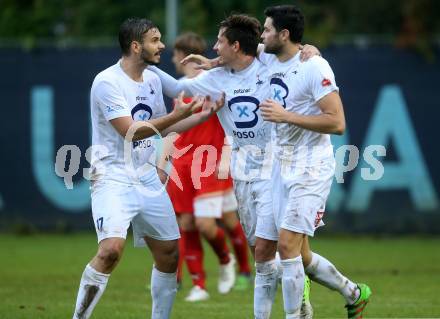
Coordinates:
[109,255]
[265,250]
[187,223]
[168,258]
[206,227]
[285,248]
[230,220]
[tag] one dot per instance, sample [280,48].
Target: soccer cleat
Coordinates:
[356,310]
[197,293]
[242,283]
[306,306]
[226,278]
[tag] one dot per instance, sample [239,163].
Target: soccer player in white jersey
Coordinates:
[245,81]
[306,107]
[127,110]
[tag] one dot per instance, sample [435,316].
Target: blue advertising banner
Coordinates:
[387,178]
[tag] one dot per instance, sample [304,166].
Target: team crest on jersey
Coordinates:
[151,89]
[244,109]
[280,91]
[259,82]
[141,112]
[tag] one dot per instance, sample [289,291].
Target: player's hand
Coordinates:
[183,110]
[273,111]
[308,51]
[210,107]
[202,62]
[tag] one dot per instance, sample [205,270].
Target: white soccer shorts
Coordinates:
[300,195]
[147,207]
[214,206]
[255,209]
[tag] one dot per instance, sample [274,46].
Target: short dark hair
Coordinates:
[287,17]
[244,29]
[133,29]
[190,43]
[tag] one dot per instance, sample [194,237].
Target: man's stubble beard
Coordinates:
[273,49]
[147,60]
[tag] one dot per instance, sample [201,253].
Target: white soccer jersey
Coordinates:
[298,86]
[114,94]
[240,117]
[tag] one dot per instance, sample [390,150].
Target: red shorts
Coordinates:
[183,200]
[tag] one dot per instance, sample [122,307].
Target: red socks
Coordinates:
[220,247]
[238,240]
[194,257]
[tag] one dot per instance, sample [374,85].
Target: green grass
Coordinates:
[39,277]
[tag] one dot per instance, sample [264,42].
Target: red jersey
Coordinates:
[209,132]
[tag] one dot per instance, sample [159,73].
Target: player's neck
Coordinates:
[241,63]
[134,69]
[288,52]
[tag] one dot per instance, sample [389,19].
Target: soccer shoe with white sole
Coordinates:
[306,306]
[197,293]
[356,310]
[226,279]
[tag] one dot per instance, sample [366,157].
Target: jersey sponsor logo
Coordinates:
[279,75]
[142,144]
[244,134]
[244,110]
[241,91]
[141,112]
[326,82]
[260,134]
[279,90]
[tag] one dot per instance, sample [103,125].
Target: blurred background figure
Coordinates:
[204,199]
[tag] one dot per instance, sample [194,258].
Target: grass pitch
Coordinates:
[39,277]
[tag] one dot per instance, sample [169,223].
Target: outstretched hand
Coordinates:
[210,107]
[202,62]
[184,110]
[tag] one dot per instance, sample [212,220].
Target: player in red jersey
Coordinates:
[204,197]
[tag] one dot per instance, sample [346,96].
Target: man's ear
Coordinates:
[284,35]
[136,47]
[236,46]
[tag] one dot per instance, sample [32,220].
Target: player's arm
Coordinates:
[208,109]
[330,121]
[202,62]
[171,87]
[138,130]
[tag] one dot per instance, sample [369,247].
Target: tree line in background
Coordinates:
[405,23]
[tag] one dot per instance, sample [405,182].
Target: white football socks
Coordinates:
[163,292]
[91,288]
[324,272]
[293,286]
[266,281]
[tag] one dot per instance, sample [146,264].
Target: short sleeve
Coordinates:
[321,79]
[110,100]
